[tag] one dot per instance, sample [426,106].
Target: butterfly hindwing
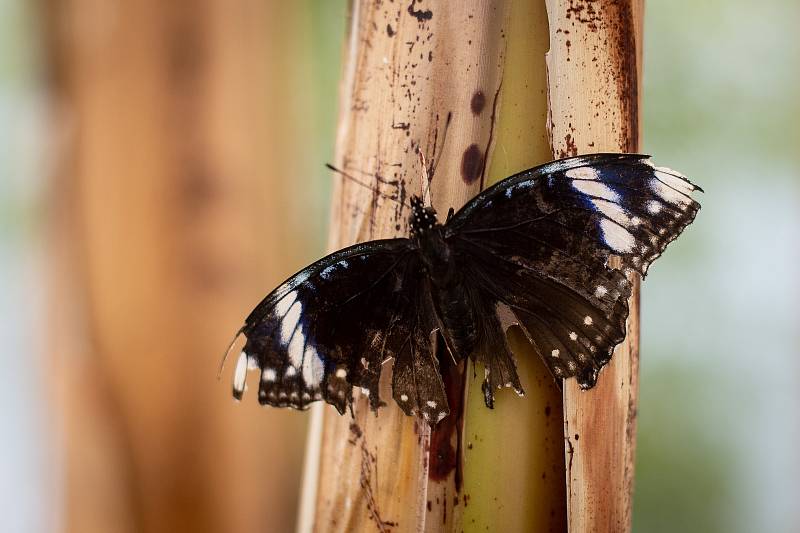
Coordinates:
[417,384]
[539,244]
[331,326]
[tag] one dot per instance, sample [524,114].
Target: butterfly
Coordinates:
[532,251]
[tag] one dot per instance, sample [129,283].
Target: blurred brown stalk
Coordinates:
[175,125]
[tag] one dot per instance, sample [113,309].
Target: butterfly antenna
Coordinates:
[227,352]
[365,185]
[426,186]
[434,159]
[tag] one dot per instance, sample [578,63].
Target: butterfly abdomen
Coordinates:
[457,317]
[450,294]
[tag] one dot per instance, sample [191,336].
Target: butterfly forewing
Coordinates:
[331,326]
[540,243]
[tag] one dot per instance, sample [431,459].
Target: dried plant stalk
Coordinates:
[594,68]
[411,70]
[416,76]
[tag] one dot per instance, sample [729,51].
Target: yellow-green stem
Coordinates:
[514,454]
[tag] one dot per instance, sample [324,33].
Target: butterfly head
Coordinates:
[422,218]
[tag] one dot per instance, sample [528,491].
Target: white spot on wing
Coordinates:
[600,291]
[585,180]
[295,349]
[268,374]
[653,207]
[616,237]
[312,367]
[573,336]
[240,373]
[289,321]
[285,303]
[582,173]
[596,188]
[341,373]
[675,180]
[555,353]
[613,211]
[431,404]
[587,320]
[290,371]
[669,194]
[403,398]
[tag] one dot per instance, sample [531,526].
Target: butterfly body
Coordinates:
[532,251]
[450,296]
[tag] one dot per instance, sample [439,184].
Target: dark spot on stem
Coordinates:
[478,102]
[472,164]
[389,30]
[445,450]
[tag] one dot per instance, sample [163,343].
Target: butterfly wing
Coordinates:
[537,246]
[332,325]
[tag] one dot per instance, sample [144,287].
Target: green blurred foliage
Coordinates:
[719,309]
[21,111]
[683,479]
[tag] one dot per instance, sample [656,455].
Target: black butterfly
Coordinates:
[532,250]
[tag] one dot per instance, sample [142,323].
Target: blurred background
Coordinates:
[161,168]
